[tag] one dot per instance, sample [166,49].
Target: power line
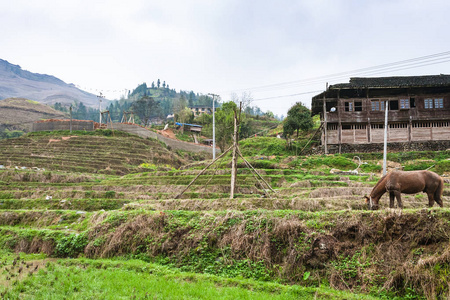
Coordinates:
[383,68]
[284,96]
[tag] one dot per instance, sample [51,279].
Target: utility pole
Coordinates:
[234,159]
[70,118]
[214,125]
[385,136]
[100,97]
[325,122]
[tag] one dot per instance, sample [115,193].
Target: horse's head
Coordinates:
[371,203]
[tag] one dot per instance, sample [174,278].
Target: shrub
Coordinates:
[71,245]
[443,166]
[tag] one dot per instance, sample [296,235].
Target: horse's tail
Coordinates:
[439,191]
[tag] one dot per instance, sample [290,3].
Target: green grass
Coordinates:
[116,279]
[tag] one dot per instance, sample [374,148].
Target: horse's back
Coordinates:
[411,182]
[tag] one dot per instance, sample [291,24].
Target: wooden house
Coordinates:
[354,112]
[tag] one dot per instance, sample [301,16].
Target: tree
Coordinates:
[246,99]
[146,108]
[298,118]
[158,83]
[225,124]
[153,84]
[164,84]
[179,104]
[185,116]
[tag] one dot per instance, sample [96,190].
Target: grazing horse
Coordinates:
[407,182]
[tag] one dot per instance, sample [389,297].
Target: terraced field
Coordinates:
[312,232]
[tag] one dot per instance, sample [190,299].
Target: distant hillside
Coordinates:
[15,82]
[100,151]
[20,113]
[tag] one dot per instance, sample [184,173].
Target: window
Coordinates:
[348,106]
[375,105]
[428,103]
[332,126]
[393,105]
[358,106]
[404,103]
[378,105]
[434,103]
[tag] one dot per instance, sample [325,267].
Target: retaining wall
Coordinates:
[392,147]
[63,125]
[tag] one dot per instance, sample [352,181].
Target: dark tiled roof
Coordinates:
[400,81]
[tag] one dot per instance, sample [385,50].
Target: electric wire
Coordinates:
[379,69]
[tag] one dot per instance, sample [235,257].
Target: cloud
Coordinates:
[219,46]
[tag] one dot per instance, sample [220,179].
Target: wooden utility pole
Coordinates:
[236,152]
[325,139]
[234,159]
[385,136]
[70,118]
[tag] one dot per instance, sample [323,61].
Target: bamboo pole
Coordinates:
[203,171]
[254,170]
[234,160]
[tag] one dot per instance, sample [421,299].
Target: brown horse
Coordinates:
[407,182]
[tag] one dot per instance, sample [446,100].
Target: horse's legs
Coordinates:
[391,199]
[399,199]
[430,199]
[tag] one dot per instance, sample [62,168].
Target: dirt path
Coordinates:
[168,133]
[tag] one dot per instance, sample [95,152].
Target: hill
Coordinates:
[101,151]
[103,196]
[47,89]
[20,113]
[312,236]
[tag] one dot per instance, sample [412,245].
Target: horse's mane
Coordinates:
[379,182]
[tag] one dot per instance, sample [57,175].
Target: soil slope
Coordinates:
[20,113]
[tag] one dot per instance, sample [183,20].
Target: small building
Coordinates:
[190,127]
[201,109]
[354,112]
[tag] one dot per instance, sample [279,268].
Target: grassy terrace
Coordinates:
[113,219]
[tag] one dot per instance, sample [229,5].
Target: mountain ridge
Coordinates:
[46,89]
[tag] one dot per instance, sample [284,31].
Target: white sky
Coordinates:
[221,46]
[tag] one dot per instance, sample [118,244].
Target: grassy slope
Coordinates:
[24,112]
[102,151]
[313,231]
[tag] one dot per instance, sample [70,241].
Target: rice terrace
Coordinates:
[95,216]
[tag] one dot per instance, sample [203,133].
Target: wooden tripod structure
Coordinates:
[107,117]
[128,117]
[235,150]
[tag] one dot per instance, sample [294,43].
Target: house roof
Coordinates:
[200,106]
[192,125]
[397,81]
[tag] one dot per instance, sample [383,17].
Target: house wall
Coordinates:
[364,125]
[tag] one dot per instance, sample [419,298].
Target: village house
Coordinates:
[201,109]
[354,113]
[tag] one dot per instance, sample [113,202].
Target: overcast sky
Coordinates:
[268,48]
